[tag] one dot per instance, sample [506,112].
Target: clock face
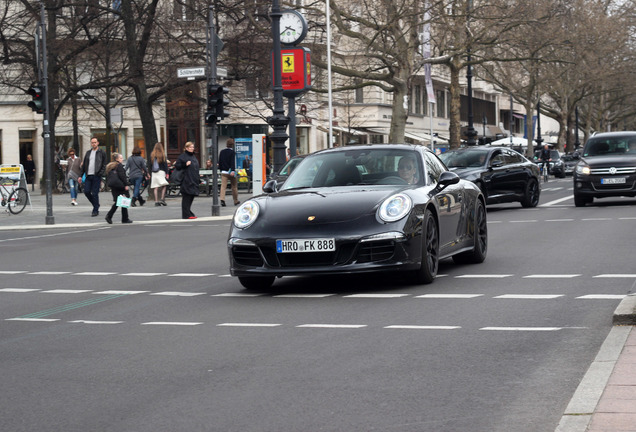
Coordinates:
[293,27]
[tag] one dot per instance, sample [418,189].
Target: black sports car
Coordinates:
[607,168]
[359,209]
[502,174]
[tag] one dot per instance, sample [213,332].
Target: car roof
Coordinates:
[613,134]
[375,147]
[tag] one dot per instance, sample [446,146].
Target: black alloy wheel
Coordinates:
[480,235]
[430,251]
[532,193]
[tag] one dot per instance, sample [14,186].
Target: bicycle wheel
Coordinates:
[18,200]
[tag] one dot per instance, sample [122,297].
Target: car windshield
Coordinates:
[616,145]
[356,166]
[464,159]
[289,166]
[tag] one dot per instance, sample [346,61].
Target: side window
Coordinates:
[515,157]
[434,167]
[498,159]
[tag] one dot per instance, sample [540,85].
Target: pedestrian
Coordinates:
[137,171]
[159,173]
[73,173]
[93,165]
[29,171]
[227,165]
[188,163]
[118,183]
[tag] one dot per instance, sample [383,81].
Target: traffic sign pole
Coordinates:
[212,130]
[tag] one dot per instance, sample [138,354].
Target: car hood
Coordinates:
[466,173]
[610,161]
[326,205]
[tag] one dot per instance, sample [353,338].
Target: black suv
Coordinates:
[607,168]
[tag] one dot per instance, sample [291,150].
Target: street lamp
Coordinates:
[539,139]
[471,133]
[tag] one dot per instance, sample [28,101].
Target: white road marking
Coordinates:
[450,296]
[120,292]
[19,290]
[524,221]
[248,325]
[142,274]
[382,296]
[95,322]
[12,271]
[603,297]
[596,219]
[66,291]
[615,275]
[225,275]
[177,293]
[302,295]
[237,295]
[49,273]
[627,218]
[192,274]
[172,323]
[421,327]
[559,220]
[550,276]
[334,326]
[94,274]
[560,200]
[529,296]
[483,276]
[32,319]
[520,328]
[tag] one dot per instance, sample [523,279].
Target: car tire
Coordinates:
[480,236]
[430,251]
[532,194]
[482,188]
[580,201]
[256,283]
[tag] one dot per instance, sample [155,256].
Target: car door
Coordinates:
[496,176]
[449,202]
[516,172]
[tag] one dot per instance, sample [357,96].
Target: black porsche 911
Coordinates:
[502,174]
[356,209]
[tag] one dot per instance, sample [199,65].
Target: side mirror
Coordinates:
[497,164]
[448,178]
[270,186]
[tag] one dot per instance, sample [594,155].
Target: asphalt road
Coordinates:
[140,328]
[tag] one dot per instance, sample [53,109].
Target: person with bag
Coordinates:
[159,170]
[187,167]
[118,183]
[227,165]
[137,171]
[73,172]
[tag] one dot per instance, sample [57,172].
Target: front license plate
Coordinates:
[613,180]
[306,245]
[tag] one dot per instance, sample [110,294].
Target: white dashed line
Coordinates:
[520,328]
[420,327]
[168,323]
[551,276]
[334,326]
[483,276]
[32,319]
[529,296]
[450,296]
[120,292]
[248,325]
[19,290]
[142,274]
[236,295]
[302,295]
[616,276]
[94,322]
[191,274]
[53,273]
[177,294]
[94,274]
[12,271]
[380,296]
[603,297]
[66,291]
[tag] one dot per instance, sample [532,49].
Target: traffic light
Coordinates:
[210,118]
[216,103]
[37,93]
[221,103]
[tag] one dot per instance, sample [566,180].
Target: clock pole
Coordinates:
[278,121]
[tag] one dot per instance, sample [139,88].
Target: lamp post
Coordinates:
[577,144]
[471,133]
[278,121]
[539,140]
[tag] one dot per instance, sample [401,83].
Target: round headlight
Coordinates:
[583,169]
[246,214]
[395,208]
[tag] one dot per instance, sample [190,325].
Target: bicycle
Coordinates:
[545,169]
[16,200]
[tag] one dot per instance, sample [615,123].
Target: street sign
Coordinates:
[194,72]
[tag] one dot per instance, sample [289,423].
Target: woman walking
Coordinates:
[159,171]
[137,171]
[118,184]
[73,170]
[189,164]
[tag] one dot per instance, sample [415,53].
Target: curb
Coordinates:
[625,313]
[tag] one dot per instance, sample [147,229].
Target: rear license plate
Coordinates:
[613,180]
[306,245]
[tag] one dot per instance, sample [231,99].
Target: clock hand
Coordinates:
[287,28]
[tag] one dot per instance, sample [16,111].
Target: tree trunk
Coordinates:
[455,126]
[398,112]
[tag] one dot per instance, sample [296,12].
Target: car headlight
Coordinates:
[583,169]
[246,214]
[395,208]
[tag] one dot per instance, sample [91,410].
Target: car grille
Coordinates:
[376,251]
[247,256]
[619,171]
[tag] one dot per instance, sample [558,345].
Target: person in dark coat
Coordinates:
[118,183]
[29,171]
[189,164]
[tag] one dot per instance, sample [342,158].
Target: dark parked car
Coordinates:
[502,174]
[607,168]
[355,209]
[570,160]
[557,164]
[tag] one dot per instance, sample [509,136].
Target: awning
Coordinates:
[341,129]
[420,137]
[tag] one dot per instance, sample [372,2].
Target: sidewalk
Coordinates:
[605,400]
[64,214]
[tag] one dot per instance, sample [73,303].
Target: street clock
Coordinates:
[293,27]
